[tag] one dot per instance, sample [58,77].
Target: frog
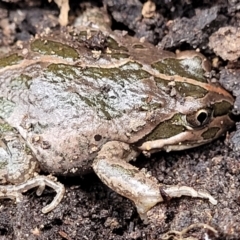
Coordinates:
[82,100]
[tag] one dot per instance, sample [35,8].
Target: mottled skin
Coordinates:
[73,108]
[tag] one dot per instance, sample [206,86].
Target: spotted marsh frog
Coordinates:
[67,109]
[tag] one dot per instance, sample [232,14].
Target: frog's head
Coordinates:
[201,114]
[197,121]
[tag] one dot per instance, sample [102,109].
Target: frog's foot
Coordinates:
[15,191]
[111,167]
[178,191]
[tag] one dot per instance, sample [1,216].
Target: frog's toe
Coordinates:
[41,187]
[15,192]
[178,191]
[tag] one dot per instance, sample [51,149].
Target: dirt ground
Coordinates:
[90,210]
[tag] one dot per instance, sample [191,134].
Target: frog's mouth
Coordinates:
[190,138]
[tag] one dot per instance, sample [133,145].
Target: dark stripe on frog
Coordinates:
[210,133]
[10,60]
[222,108]
[21,82]
[107,106]
[167,129]
[48,47]
[183,88]
[6,107]
[173,66]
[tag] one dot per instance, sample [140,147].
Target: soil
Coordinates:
[90,210]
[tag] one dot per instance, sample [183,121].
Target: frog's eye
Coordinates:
[199,118]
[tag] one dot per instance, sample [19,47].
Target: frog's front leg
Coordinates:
[15,191]
[112,167]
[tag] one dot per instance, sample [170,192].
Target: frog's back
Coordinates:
[67,100]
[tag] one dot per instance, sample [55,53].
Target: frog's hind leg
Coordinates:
[18,166]
[112,167]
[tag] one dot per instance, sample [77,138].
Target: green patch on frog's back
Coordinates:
[112,44]
[48,47]
[188,68]
[129,72]
[63,72]
[22,81]
[6,107]
[10,60]
[190,90]
[110,91]
[5,127]
[183,88]
[104,109]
